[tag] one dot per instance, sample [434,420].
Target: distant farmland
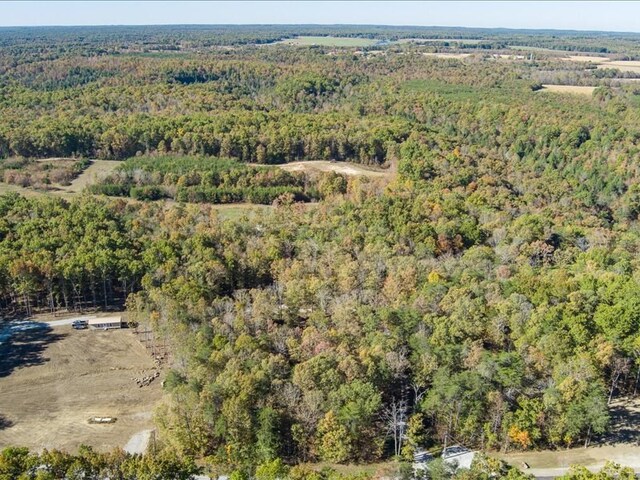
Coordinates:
[331,41]
[575,89]
[438,40]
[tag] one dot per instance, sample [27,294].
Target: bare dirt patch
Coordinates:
[338,167]
[54,379]
[574,89]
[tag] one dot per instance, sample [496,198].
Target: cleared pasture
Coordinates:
[587,58]
[622,65]
[570,89]
[532,49]
[235,211]
[6,188]
[93,172]
[438,40]
[456,56]
[330,41]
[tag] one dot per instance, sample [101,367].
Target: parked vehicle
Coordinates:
[79,324]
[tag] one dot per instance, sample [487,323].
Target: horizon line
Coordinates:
[120,25]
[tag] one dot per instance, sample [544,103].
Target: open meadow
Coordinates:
[571,89]
[330,41]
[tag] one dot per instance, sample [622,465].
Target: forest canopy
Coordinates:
[485,292]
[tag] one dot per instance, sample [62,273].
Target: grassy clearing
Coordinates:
[235,211]
[622,65]
[587,58]
[6,188]
[330,41]
[456,56]
[532,49]
[438,40]
[572,89]
[606,62]
[95,171]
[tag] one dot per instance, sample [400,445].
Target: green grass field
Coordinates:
[234,211]
[468,41]
[331,41]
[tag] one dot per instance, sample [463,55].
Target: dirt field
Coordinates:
[53,379]
[568,89]
[338,167]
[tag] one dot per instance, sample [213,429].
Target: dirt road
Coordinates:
[53,379]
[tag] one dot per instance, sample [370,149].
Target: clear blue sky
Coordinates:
[614,16]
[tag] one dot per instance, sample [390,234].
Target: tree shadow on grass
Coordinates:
[5,422]
[23,344]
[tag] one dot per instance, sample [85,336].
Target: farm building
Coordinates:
[105,323]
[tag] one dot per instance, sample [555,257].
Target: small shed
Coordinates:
[105,323]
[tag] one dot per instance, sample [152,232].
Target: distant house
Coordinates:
[105,323]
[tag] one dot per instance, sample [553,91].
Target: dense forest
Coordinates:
[486,292]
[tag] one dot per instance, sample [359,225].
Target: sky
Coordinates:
[583,15]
